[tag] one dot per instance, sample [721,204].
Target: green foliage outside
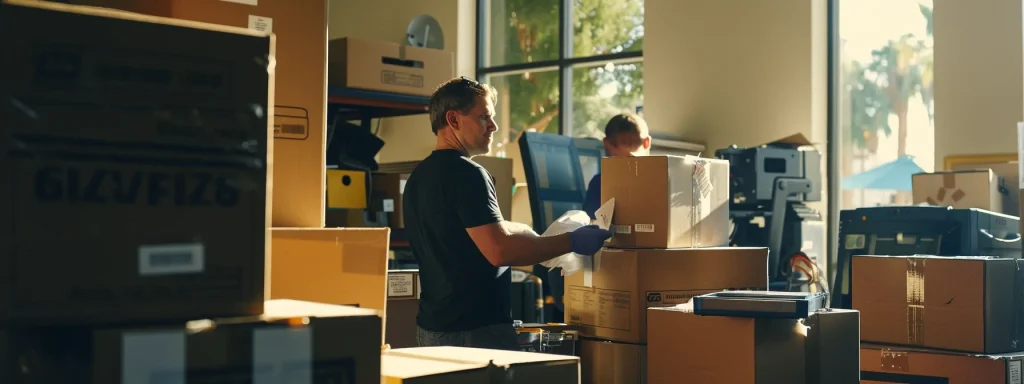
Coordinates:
[898,71]
[527,31]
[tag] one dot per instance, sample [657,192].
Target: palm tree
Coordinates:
[899,70]
[869,108]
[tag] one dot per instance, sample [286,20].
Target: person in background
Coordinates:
[457,233]
[625,135]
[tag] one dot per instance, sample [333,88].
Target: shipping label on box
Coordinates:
[403,284]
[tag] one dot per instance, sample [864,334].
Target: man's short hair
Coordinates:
[625,128]
[458,94]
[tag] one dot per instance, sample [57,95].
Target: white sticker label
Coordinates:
[170,259]
[1015,376]
[623,229]
[246,2]
[262,24]
[153,357]
[400,284]
[282,355]
[643,227]
[389,205]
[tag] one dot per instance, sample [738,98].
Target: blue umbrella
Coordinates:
[893,176]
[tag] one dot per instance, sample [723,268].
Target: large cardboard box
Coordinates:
[610,300]
[136,172]
[667,201]
[612,362]
[293,340]
[507,367]
[956,303]
[345,266]
[821,349]
[389,67]
[300,95]
[981,189]
[883,364]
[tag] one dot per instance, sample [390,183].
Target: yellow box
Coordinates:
[346,189]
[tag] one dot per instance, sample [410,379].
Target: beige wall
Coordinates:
[408,138]
[979,78]
[743,72]
[735,72]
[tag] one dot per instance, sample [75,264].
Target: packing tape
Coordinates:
[153,357]
[700,202]
[588,272]
[915,301]
[282,352]
[590,265]
[949,180]
[895,361]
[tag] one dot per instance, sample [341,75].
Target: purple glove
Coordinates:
[588,240]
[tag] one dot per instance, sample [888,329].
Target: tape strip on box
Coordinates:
[915,301]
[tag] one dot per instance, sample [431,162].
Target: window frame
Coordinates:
[564,63]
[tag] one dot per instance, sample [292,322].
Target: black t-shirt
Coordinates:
[459,289]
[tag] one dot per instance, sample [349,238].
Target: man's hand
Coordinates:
[588,240]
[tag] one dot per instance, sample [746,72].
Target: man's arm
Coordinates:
[514,244]
[503,243]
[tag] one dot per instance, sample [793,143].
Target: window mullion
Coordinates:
[566,32]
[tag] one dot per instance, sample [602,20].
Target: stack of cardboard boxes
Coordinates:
[670,243]
[954,319]
[141,152]
[306,260]
[116,119]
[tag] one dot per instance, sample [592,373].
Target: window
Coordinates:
[884,97]
[560,66]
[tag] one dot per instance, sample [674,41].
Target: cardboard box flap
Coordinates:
[932,351]
[285,308]
[957,171]
[794,140]
[481,356]
[404,367]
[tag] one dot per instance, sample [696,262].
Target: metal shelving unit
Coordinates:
[350,104]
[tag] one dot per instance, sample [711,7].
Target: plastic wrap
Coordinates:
[568,222]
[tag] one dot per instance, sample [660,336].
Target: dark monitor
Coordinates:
[557,170]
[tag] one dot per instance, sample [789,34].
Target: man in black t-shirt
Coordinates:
[462,243]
